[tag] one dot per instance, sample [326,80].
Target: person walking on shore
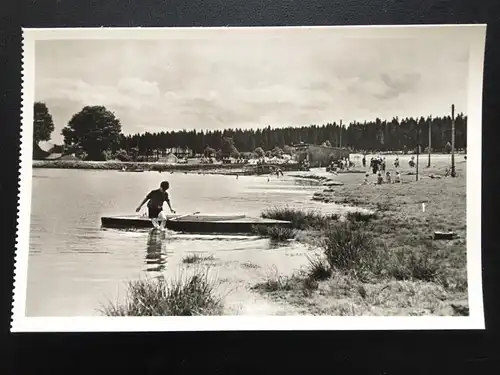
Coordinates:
[155,199]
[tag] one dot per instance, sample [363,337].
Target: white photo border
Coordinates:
[475,34]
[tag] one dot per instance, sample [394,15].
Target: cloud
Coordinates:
[130,93]
[398,84]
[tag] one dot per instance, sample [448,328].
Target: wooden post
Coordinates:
[429,160]
[418,148]
[453,173]
[340,141]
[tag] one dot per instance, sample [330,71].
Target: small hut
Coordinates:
[170,158]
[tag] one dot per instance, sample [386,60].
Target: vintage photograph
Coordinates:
[300,171]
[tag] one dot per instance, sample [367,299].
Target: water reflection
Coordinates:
[156,258]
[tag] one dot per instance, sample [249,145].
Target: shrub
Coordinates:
[300,219]
[193,295]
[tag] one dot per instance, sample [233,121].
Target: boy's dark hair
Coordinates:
[164,185]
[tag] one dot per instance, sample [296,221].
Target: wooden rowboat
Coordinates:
[197,223]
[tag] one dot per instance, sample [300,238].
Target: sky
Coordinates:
[251,81]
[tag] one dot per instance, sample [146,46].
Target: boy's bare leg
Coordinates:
[163,220]
[155,223]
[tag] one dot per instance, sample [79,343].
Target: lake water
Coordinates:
[75,265]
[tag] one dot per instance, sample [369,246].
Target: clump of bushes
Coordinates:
[300,219]
[184,296]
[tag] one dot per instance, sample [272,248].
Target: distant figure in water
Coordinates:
[396,162]
[397,179]
[278,172]
[155,199]
[364,161]
[236,175]
[380,179]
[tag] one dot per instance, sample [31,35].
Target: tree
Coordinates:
[94,130]
[122,155]
[209,152]
[277,152]
[228,148]
[259,152]
[43,125]
[288,150]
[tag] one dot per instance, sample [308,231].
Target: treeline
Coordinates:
[378,135]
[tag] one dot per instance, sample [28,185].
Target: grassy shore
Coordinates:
[386,262]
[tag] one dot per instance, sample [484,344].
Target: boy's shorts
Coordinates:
[153,212]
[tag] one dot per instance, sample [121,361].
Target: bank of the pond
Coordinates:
[386,263]
[135,167]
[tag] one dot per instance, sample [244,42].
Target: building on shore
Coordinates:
[168,159]
[319,156]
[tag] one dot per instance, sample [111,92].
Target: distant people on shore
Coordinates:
[397,178]
[375,164]
[365,180]
[380,179]
[388,178]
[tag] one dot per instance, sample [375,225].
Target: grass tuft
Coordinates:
[300,219]
[195,258]
[347,247]
[410,264]
[275,233]
[318,269]
[184,296]
[358,216]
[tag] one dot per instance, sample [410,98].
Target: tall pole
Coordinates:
[453,174]
[340,143]
[418,148]
[429,160]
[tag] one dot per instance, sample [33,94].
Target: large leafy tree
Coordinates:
[43,125]
[93,131]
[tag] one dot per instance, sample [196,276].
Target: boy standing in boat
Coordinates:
[155,199]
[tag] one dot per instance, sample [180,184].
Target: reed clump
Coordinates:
[183,296]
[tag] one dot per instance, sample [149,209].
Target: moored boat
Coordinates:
[196,223]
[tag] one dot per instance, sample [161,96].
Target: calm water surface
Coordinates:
[75,265]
